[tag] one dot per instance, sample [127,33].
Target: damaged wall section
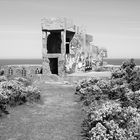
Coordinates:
[66,47]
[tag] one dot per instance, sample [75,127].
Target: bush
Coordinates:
[128,73]
[128,63]
[92,89]
[118,73]
[112,105]
[26,82]
[3,78]
[112,122]
[104,85]
[33,93]
[3,103]
[16,92]
[132,99]
[118,92]
[1,72]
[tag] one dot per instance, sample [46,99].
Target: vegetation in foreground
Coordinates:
[16,91]
[112,106]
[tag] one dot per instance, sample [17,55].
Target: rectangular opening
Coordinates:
[67,49]
[54,42]
[67,40]
[53,65]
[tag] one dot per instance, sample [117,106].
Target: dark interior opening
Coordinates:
[23,72]
[37,71]
[67,49]
[67,45]
[54,65]
[67,39]
[10,71]
[41,71]
[54,42]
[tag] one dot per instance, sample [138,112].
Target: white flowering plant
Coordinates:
[113,122]
[26,82]
[112,106]
[17,91]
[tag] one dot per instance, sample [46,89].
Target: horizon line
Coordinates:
[104,58]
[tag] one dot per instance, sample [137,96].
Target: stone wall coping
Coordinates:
[58,24]
[28,65]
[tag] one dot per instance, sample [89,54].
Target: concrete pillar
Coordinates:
[61,59]
[45,65]
[63,44]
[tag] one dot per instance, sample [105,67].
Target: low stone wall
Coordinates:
[114,67]
[28,71]
[111,67]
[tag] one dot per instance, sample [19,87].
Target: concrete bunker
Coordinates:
[56,36]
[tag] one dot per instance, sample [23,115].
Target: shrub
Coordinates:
[33,93]
[118,73]
[26,82]
[93,89]
[118,92]
[104,85]
[128,63]
[112,122]
[128,73]
[112,105]
[3,103]
[1,72]
[3,78]
[132,99]
[16,92]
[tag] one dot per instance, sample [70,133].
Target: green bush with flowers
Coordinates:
[16,92]
[112,105]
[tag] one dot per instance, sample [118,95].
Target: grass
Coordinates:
[57,117]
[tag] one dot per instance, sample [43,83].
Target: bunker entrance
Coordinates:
[54,42]
[54,65]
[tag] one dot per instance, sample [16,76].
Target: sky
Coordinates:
[114,24]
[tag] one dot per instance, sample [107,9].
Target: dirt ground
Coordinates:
[57,117]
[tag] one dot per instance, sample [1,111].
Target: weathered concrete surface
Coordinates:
[17,70]
[57,24]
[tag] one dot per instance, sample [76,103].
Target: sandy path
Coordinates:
[57,118]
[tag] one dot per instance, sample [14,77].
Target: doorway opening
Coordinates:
[53,65]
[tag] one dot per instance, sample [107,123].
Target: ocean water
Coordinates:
[110,61]
[114,61]
[19,61]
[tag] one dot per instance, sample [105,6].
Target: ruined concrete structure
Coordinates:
[64,45]
[65,49]
[56,36]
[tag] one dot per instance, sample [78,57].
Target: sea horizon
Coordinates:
[18,61]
